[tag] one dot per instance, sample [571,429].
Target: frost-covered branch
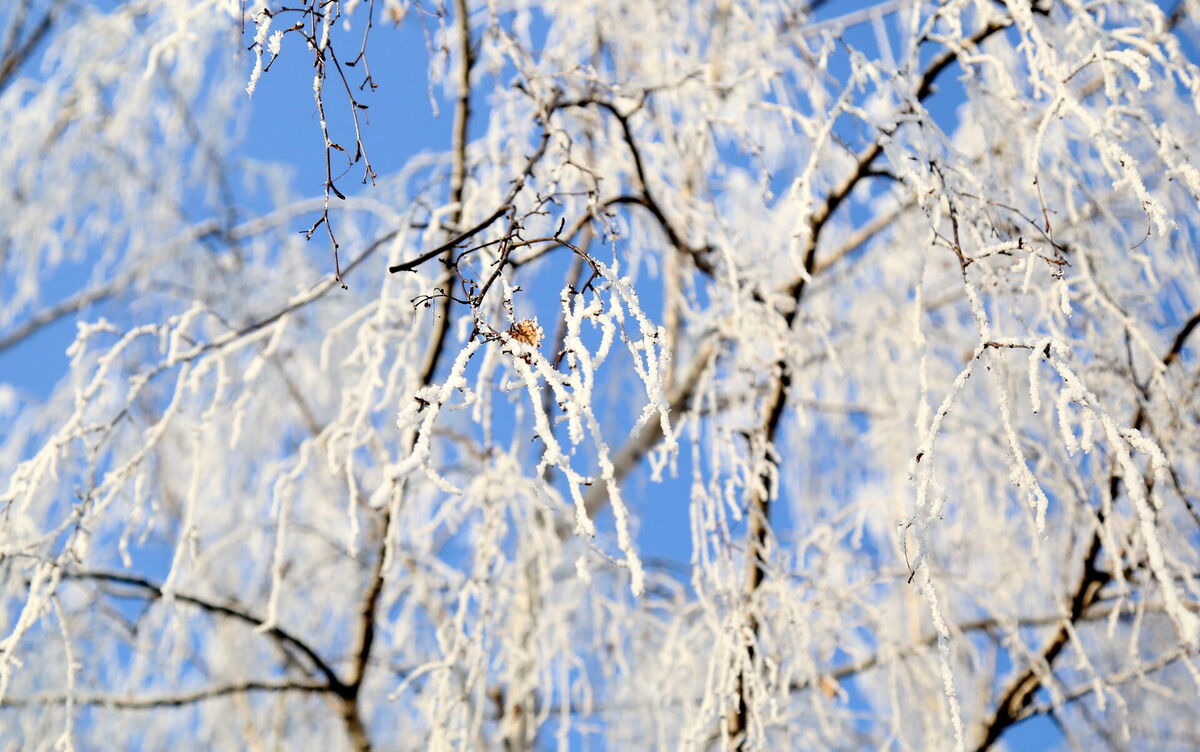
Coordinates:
[748,376]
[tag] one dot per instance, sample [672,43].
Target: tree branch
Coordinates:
[168,700]
[283,637]
[17,53]
[1018,695]
[1123,677]
[412,264]
[759,508]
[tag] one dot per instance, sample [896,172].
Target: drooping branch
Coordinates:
[318,665]
[759,508]
[644,196]
[16,49]
[368,616]
[1019,693]
[1136,673]
[412,264]
[509,615]
[174,700]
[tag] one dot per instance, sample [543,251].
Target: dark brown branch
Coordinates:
[990,625]
[1017,697]
[759,509]
[1181,338]
[365,641]
[17,53]
[1020,691]
[412,264]
[699,256]
[283,637]
[168,700]
[458,173]
[644,196]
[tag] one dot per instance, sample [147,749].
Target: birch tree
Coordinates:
[891,308]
